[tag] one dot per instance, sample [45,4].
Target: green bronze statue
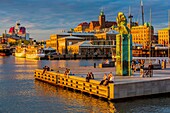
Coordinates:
[122,23]
[123,47]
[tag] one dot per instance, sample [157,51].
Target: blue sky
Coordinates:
[45,17]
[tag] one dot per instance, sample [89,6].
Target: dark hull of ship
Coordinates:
[5,52]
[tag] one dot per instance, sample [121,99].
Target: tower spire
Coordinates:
[102,12]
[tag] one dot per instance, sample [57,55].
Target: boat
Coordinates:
[20,51]
[35,52]
[4,50]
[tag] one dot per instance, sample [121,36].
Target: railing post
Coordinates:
[111,92]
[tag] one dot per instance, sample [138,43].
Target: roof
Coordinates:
[138,45]
[112,32]
[87,44]
[109,24]
[83,24]
[71,37]
[76,33]
[165,29]
[83,43]
[49,48]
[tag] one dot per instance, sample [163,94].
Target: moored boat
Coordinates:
[4,50]
[35,52]
[20,51]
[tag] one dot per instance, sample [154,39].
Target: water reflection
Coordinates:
[73,101]
[20,93]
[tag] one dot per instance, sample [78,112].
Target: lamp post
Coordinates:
[150,37]
[169,32]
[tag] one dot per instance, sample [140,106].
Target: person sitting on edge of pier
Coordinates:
[46,68]
[104,79]
[106,62]
[110,79]
[89,76]
[67,71]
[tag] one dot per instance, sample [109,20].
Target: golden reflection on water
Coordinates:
[86,103]
[23,77]
[19,61]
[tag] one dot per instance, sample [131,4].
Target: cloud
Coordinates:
[44,17]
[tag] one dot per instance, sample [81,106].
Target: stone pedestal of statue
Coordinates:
[123,54]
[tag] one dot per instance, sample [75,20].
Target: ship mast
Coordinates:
[150,40]
[142,12]
[130,18]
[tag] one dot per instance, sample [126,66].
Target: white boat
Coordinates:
[35,52]
[20,51]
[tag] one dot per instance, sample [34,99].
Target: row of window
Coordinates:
[165,32]
[163,36]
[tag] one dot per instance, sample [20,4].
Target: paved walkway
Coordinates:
[99,72]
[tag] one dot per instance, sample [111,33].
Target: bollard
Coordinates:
[49,57]
[64,56]
[75,56]
[163,65]
[94,65]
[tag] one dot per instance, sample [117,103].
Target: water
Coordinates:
[20,93]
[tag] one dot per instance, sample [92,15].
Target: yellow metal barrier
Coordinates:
[75,82]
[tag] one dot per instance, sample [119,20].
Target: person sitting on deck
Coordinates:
[89,76]
[46,68]
[150,69]
[110,79]
[141,70]
[104,79]
[67,72]
[149,72]
[107,61]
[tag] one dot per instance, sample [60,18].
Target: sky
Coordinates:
[45,17]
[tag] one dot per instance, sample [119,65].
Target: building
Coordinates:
[82,27]
[55,39]
[64,42]
[142,34]
[163,36]
[95,26]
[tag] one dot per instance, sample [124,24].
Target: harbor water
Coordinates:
[20,93]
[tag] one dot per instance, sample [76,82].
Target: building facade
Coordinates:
[163,36]
[142,34]
[95,26]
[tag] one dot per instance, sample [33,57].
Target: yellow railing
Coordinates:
[75,82]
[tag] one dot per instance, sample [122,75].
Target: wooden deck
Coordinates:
[123,86]
[75,82]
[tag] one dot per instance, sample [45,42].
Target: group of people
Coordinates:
[148,72]
[107,79]
[89,76]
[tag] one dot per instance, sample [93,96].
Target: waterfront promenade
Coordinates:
[123,87]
